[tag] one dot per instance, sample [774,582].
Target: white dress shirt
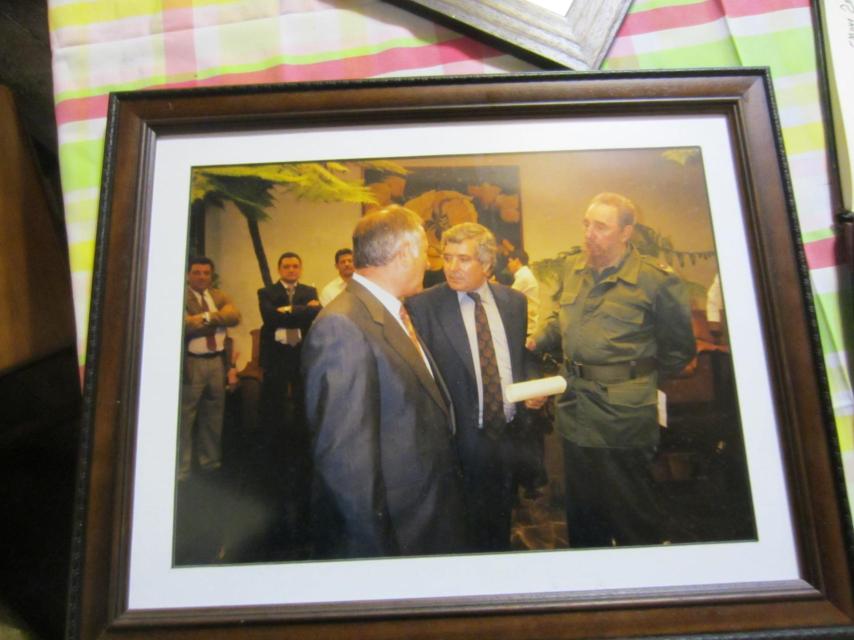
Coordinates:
[714,301]
[331,290]
[499,343]
[199,344]
[525,281]
[284,335]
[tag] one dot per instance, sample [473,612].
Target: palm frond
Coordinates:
[386,166]
[319,184]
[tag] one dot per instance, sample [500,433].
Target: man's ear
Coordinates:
[409,251]
[403,253]
[626,232]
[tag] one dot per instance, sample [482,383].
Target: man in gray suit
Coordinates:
[386,478]
[207,313]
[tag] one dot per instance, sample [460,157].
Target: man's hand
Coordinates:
[231,379]
[285,309]
[530,344]
[196,321]
[536,403]
[313,303]
[690,368]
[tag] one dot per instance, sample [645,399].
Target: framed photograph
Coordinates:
[757,536]
[571,33]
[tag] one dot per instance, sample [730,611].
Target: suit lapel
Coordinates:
[192,302]
[447,401]
[301,294]
[278,294]
[455,328]
[399,341]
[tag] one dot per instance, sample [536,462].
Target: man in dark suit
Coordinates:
[476,332]
[386,479]
[288,308]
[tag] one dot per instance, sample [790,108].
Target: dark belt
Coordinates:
[616,372]
[212,354]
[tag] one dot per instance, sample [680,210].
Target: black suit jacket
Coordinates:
[387,481]
[301,316]
[439,322]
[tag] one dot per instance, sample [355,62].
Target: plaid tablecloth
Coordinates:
[101,46]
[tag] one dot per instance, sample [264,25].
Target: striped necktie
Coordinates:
[210,339]
[493,401]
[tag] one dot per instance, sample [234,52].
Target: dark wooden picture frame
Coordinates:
[820,599]
[579,40]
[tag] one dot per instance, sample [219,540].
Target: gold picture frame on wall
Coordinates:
[794,573]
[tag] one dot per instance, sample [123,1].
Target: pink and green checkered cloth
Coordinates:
[101,46]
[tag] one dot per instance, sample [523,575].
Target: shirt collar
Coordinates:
[390,302]
[483,290]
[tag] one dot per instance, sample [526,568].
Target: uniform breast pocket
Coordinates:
[623,311]
[621,318]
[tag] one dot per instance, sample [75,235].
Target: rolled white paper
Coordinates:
[519,391]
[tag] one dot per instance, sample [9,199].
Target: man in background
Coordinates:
[344,264]
[207,313]
[525,281]
[386,478]
[476,332]
[624,321]
[533,474]
[288,308]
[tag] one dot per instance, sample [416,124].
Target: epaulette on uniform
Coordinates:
[662,266]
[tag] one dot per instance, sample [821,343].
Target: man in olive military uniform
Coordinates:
[624,322]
